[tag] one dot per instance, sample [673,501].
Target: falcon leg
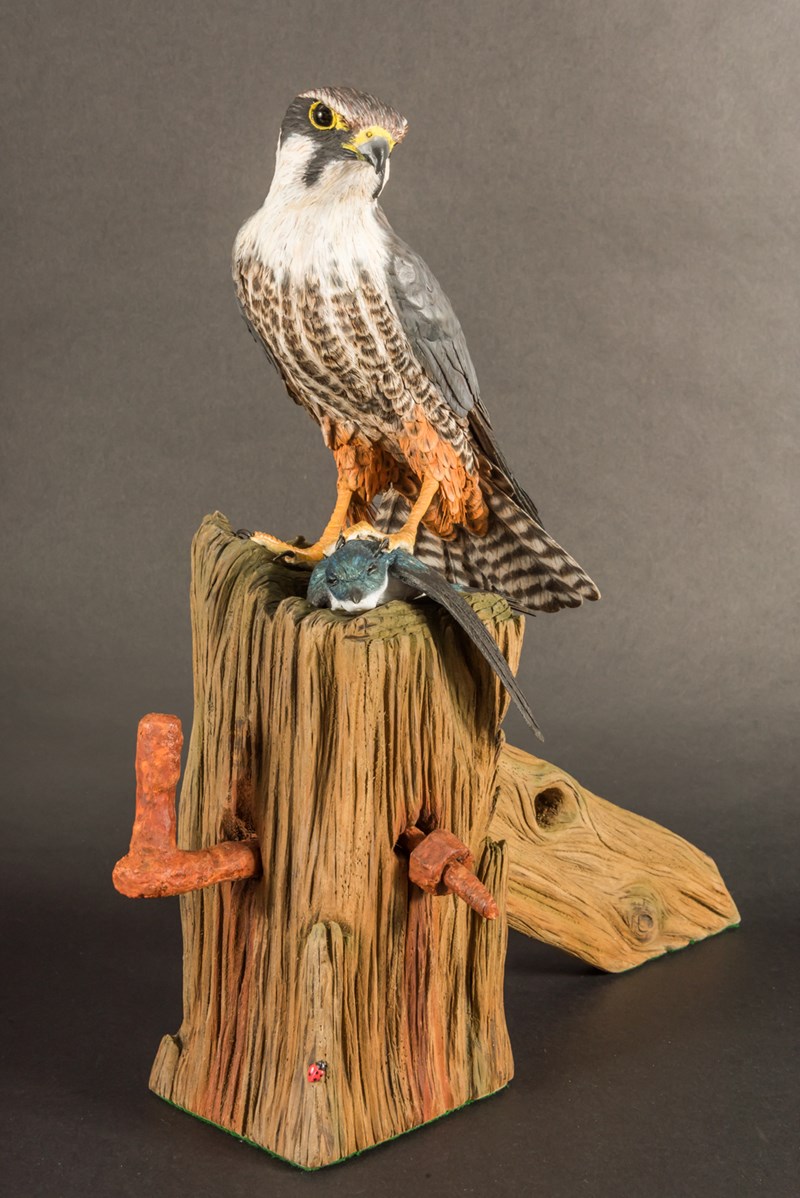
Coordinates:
[338,517]
[308,554]
[406,537]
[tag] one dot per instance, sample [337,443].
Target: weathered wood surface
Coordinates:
[326,737]
[609,886]
[327,740]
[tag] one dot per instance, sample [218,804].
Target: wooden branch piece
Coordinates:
[602,883]
[154,865]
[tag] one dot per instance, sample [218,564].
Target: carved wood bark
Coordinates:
[326,737]
[323,744]
[600,882]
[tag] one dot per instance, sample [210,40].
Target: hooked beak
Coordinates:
[372,145]
[375,152]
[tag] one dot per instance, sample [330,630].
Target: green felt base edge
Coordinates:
[679,948]
[315,1168]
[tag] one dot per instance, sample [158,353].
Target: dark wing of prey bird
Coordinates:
[364,572]
[366,341]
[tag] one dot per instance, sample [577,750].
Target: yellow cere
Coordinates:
[366,134]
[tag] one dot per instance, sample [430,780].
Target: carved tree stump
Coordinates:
[343,964]
[329,739]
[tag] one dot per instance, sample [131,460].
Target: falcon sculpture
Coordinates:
[365,339]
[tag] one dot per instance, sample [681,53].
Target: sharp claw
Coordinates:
[290,559]
[398,541]
[244,534]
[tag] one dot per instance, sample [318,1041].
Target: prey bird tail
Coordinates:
[415,573]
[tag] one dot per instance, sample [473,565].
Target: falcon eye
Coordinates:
[331,580]
[321,116]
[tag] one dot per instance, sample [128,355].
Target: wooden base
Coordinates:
[314,1168]
[330,1003]
[326,738]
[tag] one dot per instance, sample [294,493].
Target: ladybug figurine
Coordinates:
[316,1071]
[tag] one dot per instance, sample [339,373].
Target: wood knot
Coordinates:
[642,917]
[554,807]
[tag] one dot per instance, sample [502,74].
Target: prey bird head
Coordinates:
[356,574]
[336,142]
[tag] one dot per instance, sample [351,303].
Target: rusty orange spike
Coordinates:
[154,865]
[463,882]
[440,862]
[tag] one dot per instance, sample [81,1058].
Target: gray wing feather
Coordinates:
[440,347]
[431,326]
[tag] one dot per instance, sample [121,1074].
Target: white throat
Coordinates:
[391,588]
[329,230]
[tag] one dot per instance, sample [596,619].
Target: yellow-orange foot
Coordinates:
[395,540]
[295,555]
[362,530]
[402,540]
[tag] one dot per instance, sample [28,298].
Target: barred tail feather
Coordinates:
[516,557]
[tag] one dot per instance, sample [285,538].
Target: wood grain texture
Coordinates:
[609,886]
[325,737]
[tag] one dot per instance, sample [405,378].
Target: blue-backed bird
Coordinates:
[364,572]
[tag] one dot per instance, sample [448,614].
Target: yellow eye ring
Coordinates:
[323,117]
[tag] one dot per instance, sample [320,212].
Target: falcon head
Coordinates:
[336,141]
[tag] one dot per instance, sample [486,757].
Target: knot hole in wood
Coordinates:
[554,807]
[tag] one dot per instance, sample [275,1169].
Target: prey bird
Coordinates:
[365,339]
[363,573]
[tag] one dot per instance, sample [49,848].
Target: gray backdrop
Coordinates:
[609,191]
